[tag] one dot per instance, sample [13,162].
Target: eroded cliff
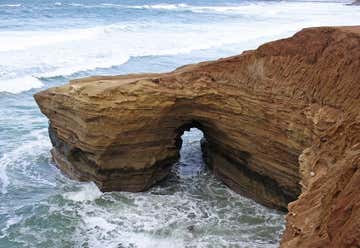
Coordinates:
[286,112]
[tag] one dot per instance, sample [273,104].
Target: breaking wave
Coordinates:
[31,55]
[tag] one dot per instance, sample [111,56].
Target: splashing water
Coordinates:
[46,43]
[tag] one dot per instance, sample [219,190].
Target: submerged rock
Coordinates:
[284,115]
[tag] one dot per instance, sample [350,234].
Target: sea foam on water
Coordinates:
[40,52]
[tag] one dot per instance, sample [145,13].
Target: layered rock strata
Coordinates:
[285,113]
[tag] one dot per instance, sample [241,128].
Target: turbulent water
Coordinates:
[44,43]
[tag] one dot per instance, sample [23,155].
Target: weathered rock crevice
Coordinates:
[278,121]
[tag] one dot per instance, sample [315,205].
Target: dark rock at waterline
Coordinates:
[191,228]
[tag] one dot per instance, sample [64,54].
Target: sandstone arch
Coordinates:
[134,145]
[284,112]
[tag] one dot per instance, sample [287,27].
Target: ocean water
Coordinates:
[44,43]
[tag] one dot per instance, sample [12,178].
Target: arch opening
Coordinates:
[191,161]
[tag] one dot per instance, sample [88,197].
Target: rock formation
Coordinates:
[356,2]
[284,115]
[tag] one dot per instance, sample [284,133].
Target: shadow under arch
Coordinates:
[186,127]
[227,165]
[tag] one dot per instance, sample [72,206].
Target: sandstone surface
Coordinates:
[279,121]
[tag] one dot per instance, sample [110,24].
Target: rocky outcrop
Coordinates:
[284,113]
[327,213]
[356,2]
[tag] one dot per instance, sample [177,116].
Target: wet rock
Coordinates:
[191,228]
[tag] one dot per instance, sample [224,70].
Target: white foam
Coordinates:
[22,40]
[10,5]
[29,55]
[88,192]
[10,222]
[18,158]
[179,6]
[148,241]
[76,4]
[19,84]
[246,8]
[4,179]
[99,222]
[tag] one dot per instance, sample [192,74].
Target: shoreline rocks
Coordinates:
[356,2]
[280,122]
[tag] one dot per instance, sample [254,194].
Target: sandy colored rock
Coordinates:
[284,115]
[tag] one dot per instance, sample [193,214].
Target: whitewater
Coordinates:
[43,48]
[45,43]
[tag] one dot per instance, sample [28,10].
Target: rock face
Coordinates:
[356,2]
[327,213]
[284,115]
